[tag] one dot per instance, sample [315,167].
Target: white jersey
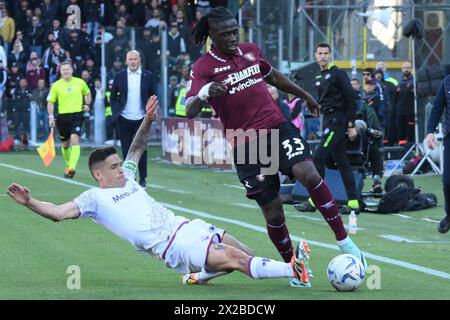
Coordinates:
[130,213]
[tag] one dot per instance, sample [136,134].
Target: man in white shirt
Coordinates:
[198,249]
[130,91]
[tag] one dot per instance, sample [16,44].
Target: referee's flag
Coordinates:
[47,150]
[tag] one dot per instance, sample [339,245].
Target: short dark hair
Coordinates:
[354,79]
[99,155]
[323,45]
[369,70]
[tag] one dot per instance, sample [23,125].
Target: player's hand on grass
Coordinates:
[431,141]
[19,193]
[151,108]
[312,106]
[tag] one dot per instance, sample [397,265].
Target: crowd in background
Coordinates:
[35,40]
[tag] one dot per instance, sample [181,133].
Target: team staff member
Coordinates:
[338,107]
[404,105]
[232,78]
[69,92]
[129,94]
[441,104]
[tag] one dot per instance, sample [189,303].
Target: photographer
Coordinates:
[370,131]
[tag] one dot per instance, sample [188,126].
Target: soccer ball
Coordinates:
[346,272]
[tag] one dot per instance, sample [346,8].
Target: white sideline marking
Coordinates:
[404,216]
[178,191]
[402,239]
[430,220]
[156,186]
[246,205]
[305,217]
[233,186]
[408,217]
[406,265]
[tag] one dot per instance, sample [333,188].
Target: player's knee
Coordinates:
[307,174]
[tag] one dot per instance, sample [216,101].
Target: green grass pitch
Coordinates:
[36,253]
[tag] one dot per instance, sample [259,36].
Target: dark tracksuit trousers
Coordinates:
[333,144]
[446,175]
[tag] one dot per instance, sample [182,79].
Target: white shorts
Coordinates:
[188,250]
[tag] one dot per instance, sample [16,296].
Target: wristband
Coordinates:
[203,94]
[50,116]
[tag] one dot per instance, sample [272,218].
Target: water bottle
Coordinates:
[352,222]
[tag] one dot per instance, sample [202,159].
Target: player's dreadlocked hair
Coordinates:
[216,15]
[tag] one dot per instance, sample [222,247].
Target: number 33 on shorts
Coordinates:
[293,147]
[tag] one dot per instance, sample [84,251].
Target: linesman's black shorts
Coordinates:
[292,149]
[69,123]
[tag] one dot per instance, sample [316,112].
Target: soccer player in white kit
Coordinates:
[194,247]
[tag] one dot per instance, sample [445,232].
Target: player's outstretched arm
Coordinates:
[140,141]
[22,195]
[279,80]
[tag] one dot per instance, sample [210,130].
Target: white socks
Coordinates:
[206,276]
[265,268]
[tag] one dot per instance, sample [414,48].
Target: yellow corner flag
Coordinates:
[47,150]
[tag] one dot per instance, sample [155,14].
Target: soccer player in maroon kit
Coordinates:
[230,78]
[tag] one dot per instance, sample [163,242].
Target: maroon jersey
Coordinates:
[247,103]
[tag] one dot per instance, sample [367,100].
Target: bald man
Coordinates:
[130,91]
[404,105]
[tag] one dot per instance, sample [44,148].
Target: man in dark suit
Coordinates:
[130,91]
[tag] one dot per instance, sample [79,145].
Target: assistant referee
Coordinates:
[68,92]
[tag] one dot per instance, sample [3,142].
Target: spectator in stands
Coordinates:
[155,21]
[137,14]
[14,76]
[174,91]
[175,43]
[20,111]
[93,19]
[121,14]
[39,96]
[75,46]
[58,32]
[203,6]
[3,56]
[111,9]
[7,32]
[119,45]
[35,73]
[20,16]
[56,55]
[183,27]
[3,82]
[49,11]
[18,56]
[25,41]
[91,68]
[86,39]
[117,67]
